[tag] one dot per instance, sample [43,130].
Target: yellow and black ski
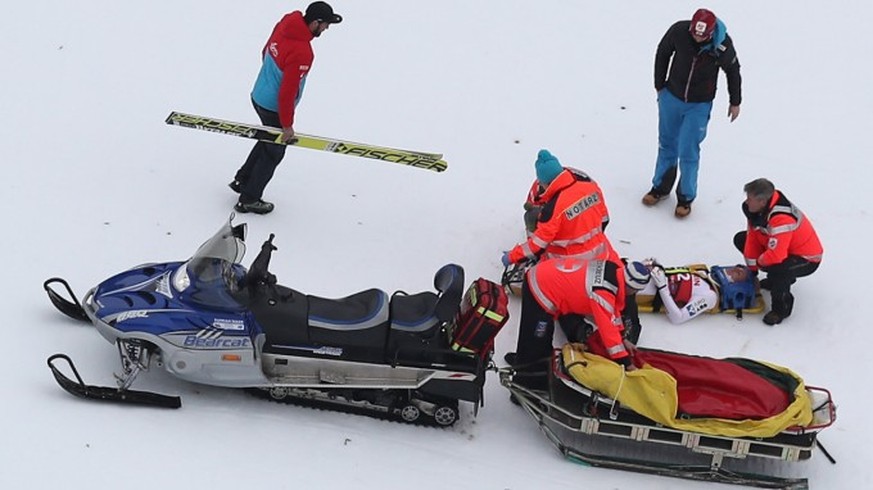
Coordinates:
[427,161]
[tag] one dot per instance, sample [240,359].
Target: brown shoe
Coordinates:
[683,210]
[651,198]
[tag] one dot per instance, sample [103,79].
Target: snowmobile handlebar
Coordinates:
[259,273]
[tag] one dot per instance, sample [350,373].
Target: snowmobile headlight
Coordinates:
[181,281]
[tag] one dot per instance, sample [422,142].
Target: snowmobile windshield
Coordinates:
[209,275]
[227,245]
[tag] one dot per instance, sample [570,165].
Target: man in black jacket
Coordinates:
[694,51]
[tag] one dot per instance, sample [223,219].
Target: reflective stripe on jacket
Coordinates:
[777,232]
[571,222]
[595,289]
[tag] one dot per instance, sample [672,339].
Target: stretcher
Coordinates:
[650,303]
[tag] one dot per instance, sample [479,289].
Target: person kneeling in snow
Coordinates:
[780,240]
[558,288]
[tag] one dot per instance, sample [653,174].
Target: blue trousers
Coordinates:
[681,129]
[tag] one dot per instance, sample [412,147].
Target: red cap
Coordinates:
[703,23]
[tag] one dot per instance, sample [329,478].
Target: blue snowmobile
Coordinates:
[210,320]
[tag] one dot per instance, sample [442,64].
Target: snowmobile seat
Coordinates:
[416,318]
[413,313]
[358,323]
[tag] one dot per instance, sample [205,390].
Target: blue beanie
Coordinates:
[548,167]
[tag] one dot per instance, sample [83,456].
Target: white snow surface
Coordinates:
[95,182]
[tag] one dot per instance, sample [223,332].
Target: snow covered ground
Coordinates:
[95,182]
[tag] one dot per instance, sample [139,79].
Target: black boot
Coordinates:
[772,318]
[783,304]
[258,207]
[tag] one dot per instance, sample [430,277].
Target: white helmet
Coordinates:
[636,275]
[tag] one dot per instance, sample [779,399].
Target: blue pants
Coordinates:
[681,129]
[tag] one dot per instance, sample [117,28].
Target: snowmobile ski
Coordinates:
[70,307]
[427,161]
[80,389]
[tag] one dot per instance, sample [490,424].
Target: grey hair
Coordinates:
[760,189]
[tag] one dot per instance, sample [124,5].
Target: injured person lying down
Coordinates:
[686,292]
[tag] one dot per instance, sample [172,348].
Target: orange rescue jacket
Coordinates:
[595,289]
[571,222]
[778,231]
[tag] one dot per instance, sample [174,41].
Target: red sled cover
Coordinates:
[484,311]
[723,388]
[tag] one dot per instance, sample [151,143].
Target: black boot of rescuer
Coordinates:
[783,304]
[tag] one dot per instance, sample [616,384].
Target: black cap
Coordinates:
[321,12]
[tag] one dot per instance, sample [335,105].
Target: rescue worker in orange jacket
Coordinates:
[780,241]
[560,288]
[572,218]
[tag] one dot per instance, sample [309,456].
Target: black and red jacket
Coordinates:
[694,68]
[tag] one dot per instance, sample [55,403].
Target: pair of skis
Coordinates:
[427,161]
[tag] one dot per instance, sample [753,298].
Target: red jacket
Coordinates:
[571,222]
[287,58]
[778,231]
[595,289]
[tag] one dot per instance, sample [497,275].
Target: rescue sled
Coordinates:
[209,320]
[594,426]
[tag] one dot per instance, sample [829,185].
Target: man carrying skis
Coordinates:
[693,51]
[287,59]
[780,241]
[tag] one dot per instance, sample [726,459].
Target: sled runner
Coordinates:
[599,429]
[210,320]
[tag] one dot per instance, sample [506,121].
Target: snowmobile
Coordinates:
[597,414]
[209,320]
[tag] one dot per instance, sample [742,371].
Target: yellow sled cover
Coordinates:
[654,393]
